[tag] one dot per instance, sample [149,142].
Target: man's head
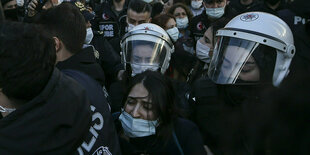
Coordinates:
[215,8]
[67,25]
[27,59]
[138,12]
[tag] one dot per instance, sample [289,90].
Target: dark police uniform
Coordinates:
[201,23]
[108,22]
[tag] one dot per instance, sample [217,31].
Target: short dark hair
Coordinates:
[161,94]
[27,59]
[162,19]
[67,23]
[139,6]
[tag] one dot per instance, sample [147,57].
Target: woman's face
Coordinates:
[207,40]
[138,103]
[170,24]
[179,13]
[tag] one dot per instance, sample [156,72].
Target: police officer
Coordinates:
[214,10]
[254,52]
[296,16]
[110,20]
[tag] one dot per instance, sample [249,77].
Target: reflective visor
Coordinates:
[151,51]
[230,56]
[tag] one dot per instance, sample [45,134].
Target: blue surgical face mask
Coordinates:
[138,68]
[7,110]
[134,127]
[215,13]
[173,33]
[202,52]
[89,36]
[182,23]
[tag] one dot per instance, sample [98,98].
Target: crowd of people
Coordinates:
[154,77]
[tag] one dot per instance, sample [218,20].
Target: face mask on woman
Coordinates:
[196,4]
[134,127]
[173,33]
[8,110]
[202,52]
[215,13]
[182,23]
[89,35]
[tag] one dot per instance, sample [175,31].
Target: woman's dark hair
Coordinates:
[162,95]
[181,5]
[27,59]
[162,19]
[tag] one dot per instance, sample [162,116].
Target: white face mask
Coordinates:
[196,4]
[130,27]
[173,33]
[182,23]
[202,52]
[215,13]
[89,35]
[148,1]
[134,127]
[20,3]
[7,110]
[136,69]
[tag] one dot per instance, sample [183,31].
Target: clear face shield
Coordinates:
[233,61]
[145,52]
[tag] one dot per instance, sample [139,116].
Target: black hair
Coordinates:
[139,6]
[67,23]
[162,95]
[27,59]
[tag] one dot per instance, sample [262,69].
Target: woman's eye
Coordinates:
[147,106]
[130,101]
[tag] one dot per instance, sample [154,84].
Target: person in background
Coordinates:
[297,16]
[197,7]
[206,44]
[110,20]
[13,9]
[138,12]
[148,122]
[183,17]
[214,10]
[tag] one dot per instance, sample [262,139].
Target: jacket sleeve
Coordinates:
[109,60]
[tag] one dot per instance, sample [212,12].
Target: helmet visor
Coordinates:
[146,50]
[231,56]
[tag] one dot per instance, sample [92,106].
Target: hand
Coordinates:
[32,8]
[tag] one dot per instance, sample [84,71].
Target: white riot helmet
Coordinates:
[146,47]
[245,34]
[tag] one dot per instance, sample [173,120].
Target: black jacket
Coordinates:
[295,18]
[84,61]
[107,23]
[54,122]
[109,59]
[102,136]
[201,23]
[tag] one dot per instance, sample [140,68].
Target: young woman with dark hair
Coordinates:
[183,17]
[148,122]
